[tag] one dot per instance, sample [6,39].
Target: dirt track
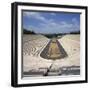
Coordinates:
[53,50]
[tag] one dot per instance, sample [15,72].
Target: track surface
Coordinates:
[53,50]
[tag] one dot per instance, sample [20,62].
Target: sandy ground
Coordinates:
[33,45]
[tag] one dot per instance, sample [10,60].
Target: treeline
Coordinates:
[53,35]
[76,32]
[60,34]
[25,31]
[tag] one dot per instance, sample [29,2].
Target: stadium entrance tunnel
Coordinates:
[53,50]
